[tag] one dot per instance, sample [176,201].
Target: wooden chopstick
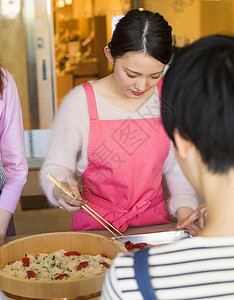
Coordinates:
[105,221]
[86,207]
[60,185]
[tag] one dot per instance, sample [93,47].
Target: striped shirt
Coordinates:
[197,268]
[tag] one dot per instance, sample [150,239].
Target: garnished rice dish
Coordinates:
[59,265]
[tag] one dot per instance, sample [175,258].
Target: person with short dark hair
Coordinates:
[13,163]
[106,133]
[199,87]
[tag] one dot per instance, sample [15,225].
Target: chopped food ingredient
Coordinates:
[70,253]
[25,261]
[105,264]
[30,274]
[103,255]
[60,276]
[82,265]
[130,246]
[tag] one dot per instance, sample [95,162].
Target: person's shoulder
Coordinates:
[77,91]
[188,243]
[75,98]
[5,72]
[9,88]
[7,75]
[7,78]
[73,105]
[125,259]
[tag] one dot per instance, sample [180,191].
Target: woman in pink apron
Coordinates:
[109,133]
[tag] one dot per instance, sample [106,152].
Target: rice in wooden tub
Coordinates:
[58,265]
[72,288]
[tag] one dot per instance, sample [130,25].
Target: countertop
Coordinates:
[129,231]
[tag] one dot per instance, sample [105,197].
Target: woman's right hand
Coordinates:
[66,202]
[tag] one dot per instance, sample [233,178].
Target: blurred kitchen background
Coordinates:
[50,46]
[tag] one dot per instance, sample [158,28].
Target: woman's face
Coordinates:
[136,73]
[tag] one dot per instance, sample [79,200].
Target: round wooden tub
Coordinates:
[84,288]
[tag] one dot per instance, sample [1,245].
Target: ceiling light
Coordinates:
[60,3]
[10,8]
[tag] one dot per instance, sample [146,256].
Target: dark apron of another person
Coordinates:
[3,180]
[141,269]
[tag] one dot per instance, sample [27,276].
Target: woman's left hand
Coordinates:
[185,221]
[199,214]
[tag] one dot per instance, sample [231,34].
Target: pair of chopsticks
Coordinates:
[92,212]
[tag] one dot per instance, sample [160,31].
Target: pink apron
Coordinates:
[123,179]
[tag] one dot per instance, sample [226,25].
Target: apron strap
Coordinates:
[93,114]
[141,268]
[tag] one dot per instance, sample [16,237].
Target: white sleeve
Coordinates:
[66,148]
[182,193]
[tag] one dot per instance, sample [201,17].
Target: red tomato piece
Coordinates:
[103,255]
[129,245]
[25,261]
[105,264]
[82,265]
[31,274]
[140,245]
[60,276]
[69,253]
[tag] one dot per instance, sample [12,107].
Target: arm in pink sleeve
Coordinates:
[182,193]
[12,145]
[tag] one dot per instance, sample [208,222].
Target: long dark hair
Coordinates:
[143,31]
